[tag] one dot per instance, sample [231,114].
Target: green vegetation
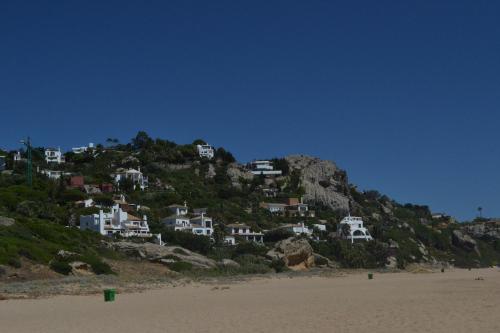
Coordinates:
[46,213]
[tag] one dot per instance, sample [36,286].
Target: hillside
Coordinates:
[39,221]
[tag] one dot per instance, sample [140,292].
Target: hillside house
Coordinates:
[136,176]
[53,155]
[81,150]
[17,157]
[274,208]
[54,174]
[239,230]
[292,207]
[298,229]
[355,229]
[116,222]
[206,151]
[180,220]
[265,168]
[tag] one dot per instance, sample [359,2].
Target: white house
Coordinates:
[239,230]
[274,208]
[180,221]
[202,225]
[81,150]
[356,230]
[264,168]
[298,229]
[54,174]
[18,157]
[206,151]
[135,176]
[53,155]
[116,222]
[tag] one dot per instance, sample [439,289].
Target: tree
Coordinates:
[142,140]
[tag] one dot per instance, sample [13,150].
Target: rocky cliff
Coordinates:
[322,181]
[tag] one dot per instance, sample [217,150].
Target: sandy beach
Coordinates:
[454,301]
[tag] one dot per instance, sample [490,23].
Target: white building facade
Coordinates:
[53,155]
[355,229]
[180,221]
[239,230]
[81,150]
[116,222]
[264,168]
[206,151]
[136,176]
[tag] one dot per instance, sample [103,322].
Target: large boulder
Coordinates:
[236,172]
[464,241]
[297,254]
[158,253]
[6,221]
[322,181]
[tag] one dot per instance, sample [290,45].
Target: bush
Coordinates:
[277,235]
[196,243]
[180,266]
[279,265]
[60,267]
[14,262]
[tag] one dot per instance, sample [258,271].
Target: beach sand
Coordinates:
[454,301]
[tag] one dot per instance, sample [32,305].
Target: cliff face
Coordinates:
[322,181]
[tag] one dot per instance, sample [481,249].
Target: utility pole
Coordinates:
[29,162]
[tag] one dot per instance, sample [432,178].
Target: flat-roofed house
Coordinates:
[116,222]
[239,230]
[136,176]
[262,167]
[53,155]
[206,151]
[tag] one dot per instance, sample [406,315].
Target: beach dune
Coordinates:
[454,301]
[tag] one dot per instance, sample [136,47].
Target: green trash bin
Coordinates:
[370,276]
[109,295]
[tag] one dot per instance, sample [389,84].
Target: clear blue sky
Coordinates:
[405,95]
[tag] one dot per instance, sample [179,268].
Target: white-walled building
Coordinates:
[136,176]
[200,224]
[264,168]
[81,150]
[239,230]
[206,151]
[53,155]
[18,157]
[298,229]
[356,230]
[274,208]
[116,222]
[54,174]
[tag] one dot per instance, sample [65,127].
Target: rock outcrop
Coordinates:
[297,254]
[6,221]
[162,254]
[235,172]
[322,181]
[464,241]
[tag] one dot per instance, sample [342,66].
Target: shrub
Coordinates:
[279,265]
[196,243]
[276,235]
[14,262]
[60,267]
[180,266]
